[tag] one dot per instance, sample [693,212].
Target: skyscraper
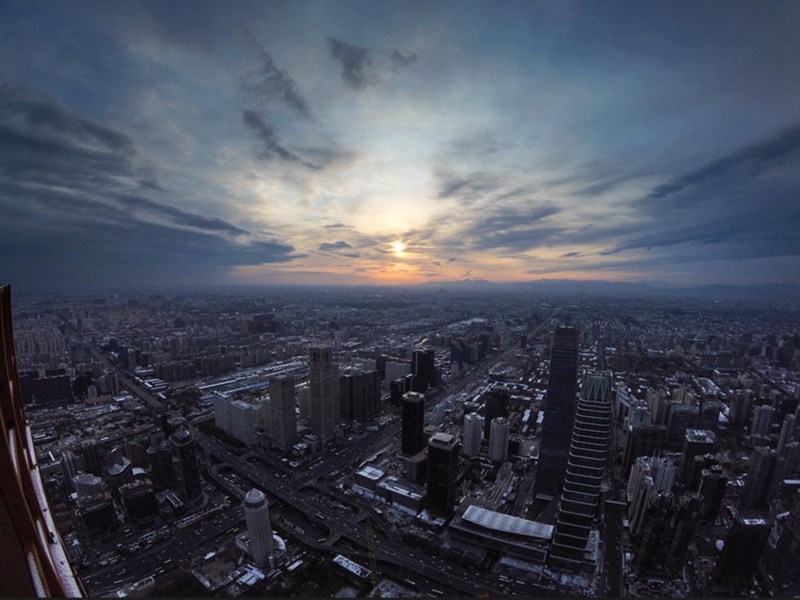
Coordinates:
[498,439]
[580,496]
[323,392]
[182,442]
[559,411]
[473,433]
[763,478]
[283,418]
[359,396]
[412,438]
[495,405]
[442,465]
[680,418]
[423,369]
[259,529]
[697,442]
[743,548]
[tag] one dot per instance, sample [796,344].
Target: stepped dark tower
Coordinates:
[559,412]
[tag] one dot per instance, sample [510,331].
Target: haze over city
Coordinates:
[398,143]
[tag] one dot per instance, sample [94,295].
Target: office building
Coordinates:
[743,548]
[710,409]
[580,496]
[86,485]
[259,529]
[359,396]
[283,418]
[473,434]
[323,392]
[412,438]
[713,482]
[183,448]
[139,500]
[559,412]
[740,409]
[643,439]
[162,470]
[782,553]
[498,439]
[647,475]
[680,418]
[763,477]
[90,457]
[696,442]
[787,433]
[247,417]
[495,402]
[762,420]
[687,518]
[656,533]
[442,465]
[423,370]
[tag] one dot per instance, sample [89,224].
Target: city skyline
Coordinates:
[378,143]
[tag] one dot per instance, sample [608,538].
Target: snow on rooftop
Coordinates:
[507,523]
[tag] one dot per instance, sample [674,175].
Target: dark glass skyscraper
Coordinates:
[182,442]
[442,464]
[413,440]
[423,369]
[559,412]
[359,396]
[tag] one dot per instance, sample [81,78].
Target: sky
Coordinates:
[398,142]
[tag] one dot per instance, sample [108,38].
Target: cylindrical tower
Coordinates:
[256,512]
[498,439]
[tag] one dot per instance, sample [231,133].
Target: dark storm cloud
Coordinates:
[736,168]
[270,84]
[337,226]
[75,205]
[354,61]
[334,246]
[271,146]
[181,217]
[742,205]
[361,66]
[49,116]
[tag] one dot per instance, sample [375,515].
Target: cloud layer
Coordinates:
[317,142]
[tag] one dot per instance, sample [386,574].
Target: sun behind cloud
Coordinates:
[398,248]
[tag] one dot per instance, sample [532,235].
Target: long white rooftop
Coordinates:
[507,523]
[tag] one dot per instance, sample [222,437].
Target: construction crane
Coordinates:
[373,560]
